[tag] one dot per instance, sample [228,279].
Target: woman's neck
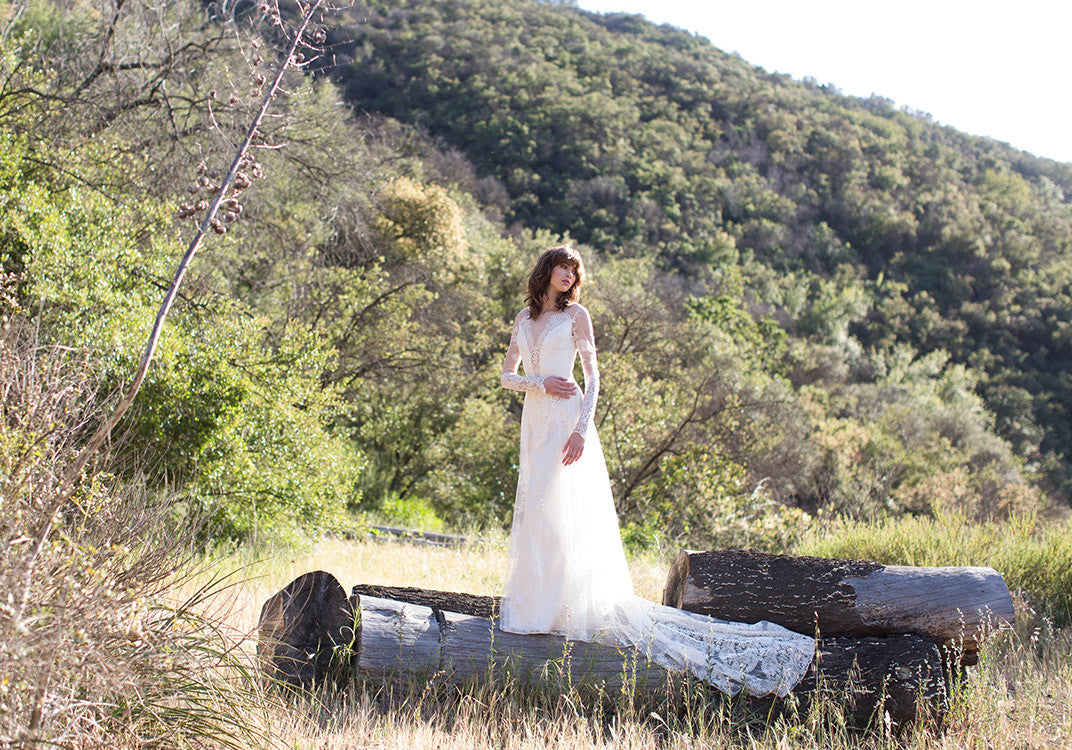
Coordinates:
[549,302]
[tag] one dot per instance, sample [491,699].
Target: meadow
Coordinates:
[1019,696]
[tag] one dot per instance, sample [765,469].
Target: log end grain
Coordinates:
[306,632]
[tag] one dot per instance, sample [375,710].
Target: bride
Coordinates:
[567,572]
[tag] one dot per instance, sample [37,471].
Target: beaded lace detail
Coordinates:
[510,379]
[583,340]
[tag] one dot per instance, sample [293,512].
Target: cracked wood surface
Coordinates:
[956,606]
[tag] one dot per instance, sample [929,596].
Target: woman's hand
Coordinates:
[558,387]
[573,449]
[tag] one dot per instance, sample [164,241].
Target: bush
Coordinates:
[96,653]
[702,498]
[409,513]
[238,423]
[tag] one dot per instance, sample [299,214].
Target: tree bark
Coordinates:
[956,607]
[306,633]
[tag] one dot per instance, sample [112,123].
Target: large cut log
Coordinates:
[956,606]
[411,635]
[306,632]
[400,638]
[901,676]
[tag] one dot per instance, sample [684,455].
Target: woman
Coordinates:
[567,572]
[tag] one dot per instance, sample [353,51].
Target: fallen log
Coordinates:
[956,607]
[305,633]
[430,538]
[400,638]
[409,635]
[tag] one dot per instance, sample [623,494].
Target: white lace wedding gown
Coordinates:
[567,572]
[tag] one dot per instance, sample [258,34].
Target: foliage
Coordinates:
[422,223]
[704,499]
[409,513]
[97,651]
[772,277]
[646,141]
[240,423]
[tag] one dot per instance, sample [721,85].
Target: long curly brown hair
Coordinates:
[540,279]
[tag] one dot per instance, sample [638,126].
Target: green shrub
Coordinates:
[410,513]
[703,498]
[237,423]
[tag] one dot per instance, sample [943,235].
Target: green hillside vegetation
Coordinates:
[768,353]
[855,226]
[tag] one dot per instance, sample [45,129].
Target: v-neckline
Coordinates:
[536,338]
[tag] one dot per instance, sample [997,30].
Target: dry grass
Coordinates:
[475,569]
[1020,696]
[93,650]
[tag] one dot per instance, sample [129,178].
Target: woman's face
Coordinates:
[562,277]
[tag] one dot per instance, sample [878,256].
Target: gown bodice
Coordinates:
[550,348]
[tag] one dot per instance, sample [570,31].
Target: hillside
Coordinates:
[806,306]
[646,141]
[800,303]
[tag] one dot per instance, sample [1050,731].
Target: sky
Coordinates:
[1001,69]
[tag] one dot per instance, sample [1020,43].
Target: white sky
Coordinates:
[999,69]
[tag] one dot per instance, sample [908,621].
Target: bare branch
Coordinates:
[74,470]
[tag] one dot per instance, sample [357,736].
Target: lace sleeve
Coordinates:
[510,379]
[585,339]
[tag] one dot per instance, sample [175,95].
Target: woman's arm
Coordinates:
[510,379]
[585,339]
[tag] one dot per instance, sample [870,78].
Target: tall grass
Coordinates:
[475,568]
[94,649]
[1020,695]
